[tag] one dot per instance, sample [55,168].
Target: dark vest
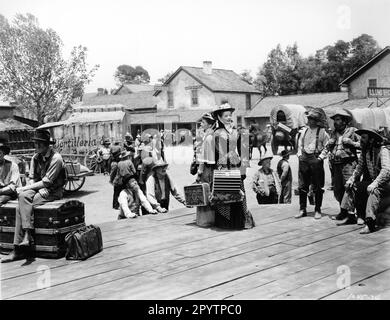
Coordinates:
[133,202]
[280,170]
[158,191]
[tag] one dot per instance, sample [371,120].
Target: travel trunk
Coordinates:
[52,221]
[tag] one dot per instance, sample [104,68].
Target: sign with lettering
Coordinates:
[374,92]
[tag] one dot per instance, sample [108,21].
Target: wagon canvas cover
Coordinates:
[295,115]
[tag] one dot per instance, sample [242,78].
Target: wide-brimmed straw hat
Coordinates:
[223,107]
[371,132]
[342,113]
[264,157]
[159,164]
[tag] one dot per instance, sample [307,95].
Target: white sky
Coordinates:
[233,34]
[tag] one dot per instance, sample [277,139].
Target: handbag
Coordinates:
[83,243]
[194,167]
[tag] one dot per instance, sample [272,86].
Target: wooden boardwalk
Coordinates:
[168,257]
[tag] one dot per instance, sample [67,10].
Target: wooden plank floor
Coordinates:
[168,257]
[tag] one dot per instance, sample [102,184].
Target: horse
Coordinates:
[257,138]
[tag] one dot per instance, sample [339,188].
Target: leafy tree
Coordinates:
[246,76]
[33,72]
[286,72]
[127,74]
[165,78]
[363,48]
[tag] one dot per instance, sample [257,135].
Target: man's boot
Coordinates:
[318,203]
[351,219]
[341,216]
[370,226]
[14,255]
[27,239]
[302,213]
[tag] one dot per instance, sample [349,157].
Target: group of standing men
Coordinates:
[359,183]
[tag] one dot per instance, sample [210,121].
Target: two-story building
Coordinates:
[191,91]
[369,86]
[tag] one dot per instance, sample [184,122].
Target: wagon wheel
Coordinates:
[92,162]
[73,184]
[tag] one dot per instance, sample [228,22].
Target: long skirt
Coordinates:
[234,215]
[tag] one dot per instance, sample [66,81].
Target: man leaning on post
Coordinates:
[46,181]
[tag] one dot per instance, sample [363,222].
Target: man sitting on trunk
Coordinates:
[47,178]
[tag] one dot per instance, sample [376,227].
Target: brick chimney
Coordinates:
[207,67]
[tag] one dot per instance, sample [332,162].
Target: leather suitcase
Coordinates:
[56,214]
[197,194]
[84,243]
[49,243]
[52,221]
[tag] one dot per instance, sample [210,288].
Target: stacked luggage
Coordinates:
[52,222]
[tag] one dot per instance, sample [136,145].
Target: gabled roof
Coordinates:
[87,117]
[264,106]
[138,100]
[12,124]
[133,88]
[220,80]
[380,55]
[176,115]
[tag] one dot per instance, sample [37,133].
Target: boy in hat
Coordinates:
[365,195]
[46,181]
[105,153]
[266,183]
[341,149]
[9,173]
[284,172]
[131,200]
[312,141]
[129,141]
[159,186]
[125,170]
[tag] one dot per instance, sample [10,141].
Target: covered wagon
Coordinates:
[286,120]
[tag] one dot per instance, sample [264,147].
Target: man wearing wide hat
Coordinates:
[341,149]
[374,169]
[9,173]
[285,175]
[312,141]
[105,153]
[46,181]
[125,170]
[159,186]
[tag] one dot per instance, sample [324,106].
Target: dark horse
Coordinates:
[257,138]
